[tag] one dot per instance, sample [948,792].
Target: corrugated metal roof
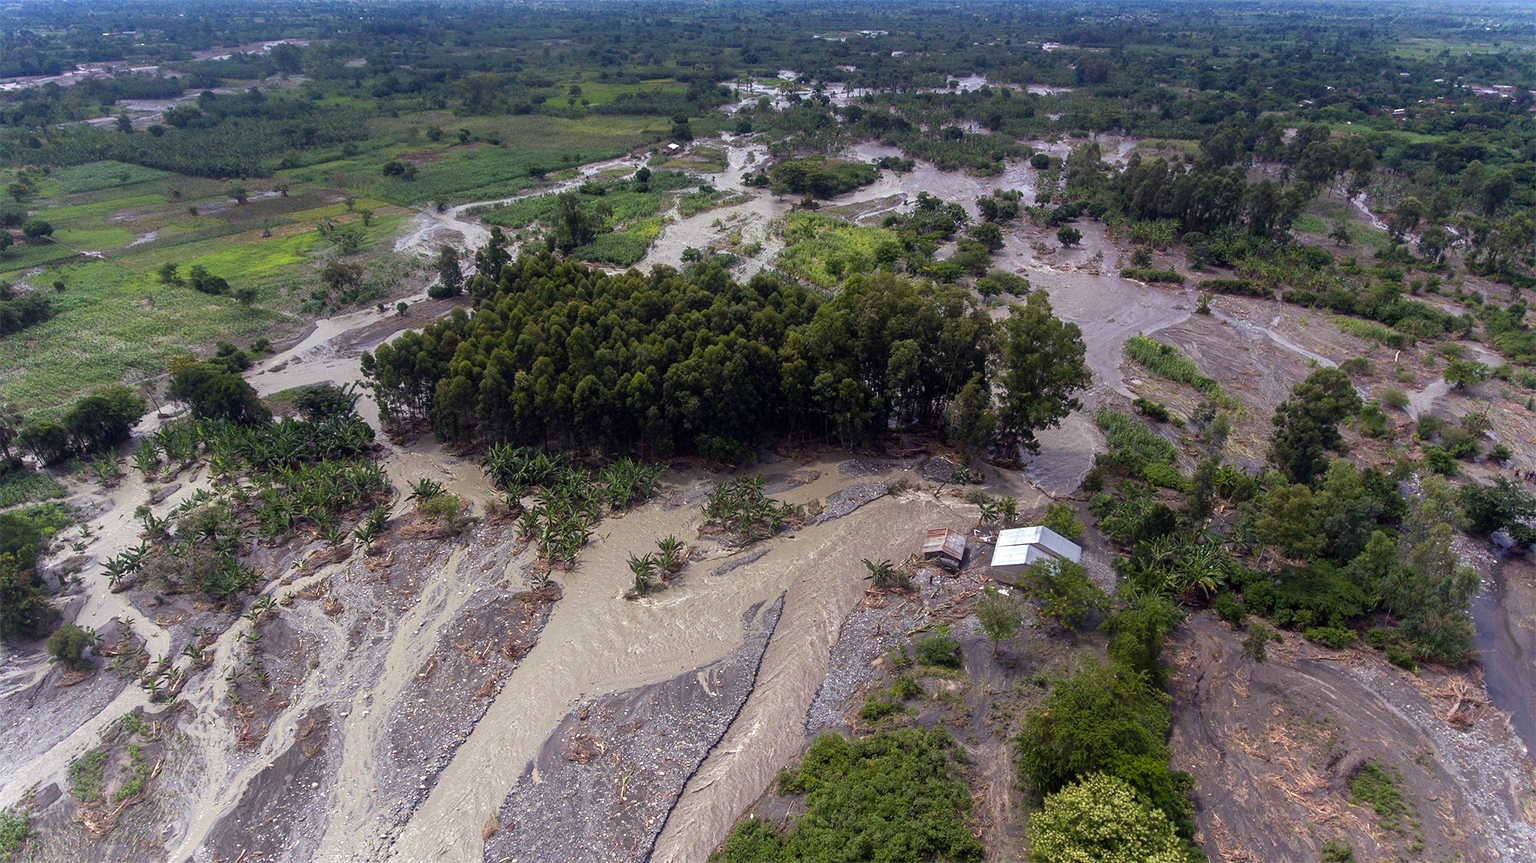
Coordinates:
[1046,540]
[951,543]
[1018,555]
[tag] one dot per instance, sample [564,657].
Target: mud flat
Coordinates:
[1274,747]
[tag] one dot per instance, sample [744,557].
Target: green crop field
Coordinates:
[114,326]
[105,175]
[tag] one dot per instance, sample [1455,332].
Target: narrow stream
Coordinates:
[1504,641]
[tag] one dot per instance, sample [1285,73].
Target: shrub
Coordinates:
[215,392]
[1394,398]
[444,507]
[1337,851]
[1062,519]
[877,707]
[1148,275]
[906,688]
[1133,446]
[894,795]
[1376,786]
[1374,422]
[1100,819]
[68,644]
[15,830]
[1240,287]
[1335,637]
[1230,609]
[1103,719]
[938,648]
[998,615]
[1065,593]
[1356,366]
[1151,409]
[1255,645]
[24,609]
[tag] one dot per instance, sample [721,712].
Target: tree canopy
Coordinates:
[672,362]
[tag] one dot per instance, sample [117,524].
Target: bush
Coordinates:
[1062,519]
[938,648]
[1255,646]
[1065,593]
[894,795]
[1103,719]
[1239,287]
[22,312]
[1151,409]
[906,688]
[1356,366]
[441,508]
[1374,422]
[24,609]
[1100,819]
[15,830]
[817,176]
[1133,446]
[1335,637]
[1394,398]
[100,420]
[318,402]
[1230,609]
[1147,275]
[68,644]
[877,707]
[213,391]
[1315,595]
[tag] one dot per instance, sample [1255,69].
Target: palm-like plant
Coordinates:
[146,458]
[425,489]
[672,554]
[1008,508]
[989,511]
[885,574]
[644,568]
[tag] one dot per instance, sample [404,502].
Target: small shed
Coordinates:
[1018,548]
[945,546]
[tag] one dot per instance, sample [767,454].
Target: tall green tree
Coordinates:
[1041,362]
[1307,424]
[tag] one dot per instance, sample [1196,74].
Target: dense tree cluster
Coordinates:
[667,362]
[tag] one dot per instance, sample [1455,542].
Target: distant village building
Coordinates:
[1019,547]
[945,547]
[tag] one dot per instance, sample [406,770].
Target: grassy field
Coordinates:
[116,322]
[598,93]
[116,224]
[450,171]
[1420,48]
